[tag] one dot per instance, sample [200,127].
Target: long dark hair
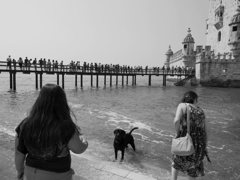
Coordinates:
[49,122]
[189,97]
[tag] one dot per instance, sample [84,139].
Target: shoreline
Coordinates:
[85,166]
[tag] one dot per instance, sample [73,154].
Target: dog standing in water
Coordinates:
[121,141]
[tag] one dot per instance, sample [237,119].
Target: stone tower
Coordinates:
[188,54]
[168,54]
[218,25]
[234,34]
[188,44]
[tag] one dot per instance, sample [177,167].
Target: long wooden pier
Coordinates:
[81,71]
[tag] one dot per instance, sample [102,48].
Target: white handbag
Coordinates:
[183,146]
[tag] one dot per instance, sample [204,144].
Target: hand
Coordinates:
[79,129]
[20,176]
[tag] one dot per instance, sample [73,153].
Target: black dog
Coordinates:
[121,141]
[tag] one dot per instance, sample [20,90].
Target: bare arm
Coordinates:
[78,144]
[19,160]
[178,116]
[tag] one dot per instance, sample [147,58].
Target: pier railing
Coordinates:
[26,68]
[50,69]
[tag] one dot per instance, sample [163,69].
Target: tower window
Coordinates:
[185,46]
[207,26]
[219,13]
[219,36]
[234,28]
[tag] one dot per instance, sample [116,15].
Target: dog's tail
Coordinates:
[133,130]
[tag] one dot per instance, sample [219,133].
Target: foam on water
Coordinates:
[120,121]
[75,106]
[7,131]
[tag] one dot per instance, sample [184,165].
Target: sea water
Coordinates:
[101,110]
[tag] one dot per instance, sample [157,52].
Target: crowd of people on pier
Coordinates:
[74,66]
[179,70]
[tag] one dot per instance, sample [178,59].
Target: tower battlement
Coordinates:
[212,58]
[217,63]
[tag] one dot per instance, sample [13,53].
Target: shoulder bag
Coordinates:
[183,146]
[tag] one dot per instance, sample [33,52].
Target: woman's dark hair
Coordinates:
[189,97]
[49,122]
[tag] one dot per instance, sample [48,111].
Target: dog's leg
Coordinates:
[133,145]
[122,155]
[115,151]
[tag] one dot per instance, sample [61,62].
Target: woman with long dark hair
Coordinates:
[44,138]
[192,164]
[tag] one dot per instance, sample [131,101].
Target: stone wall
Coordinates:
[220,70]
[176,59]
[230,7]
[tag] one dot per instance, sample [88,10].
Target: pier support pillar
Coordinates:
[127,80]
[63,81]
[97,81]
[36,79]
[14,81]
[105,80]
[110,80]
[164,80]
[91,80]
[149,80]
[122,80]
[40,80]
[10,80]
[133,80]
[57,79]
[81,80]
[116,80]
[75,80]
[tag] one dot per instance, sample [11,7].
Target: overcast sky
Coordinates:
[125,32]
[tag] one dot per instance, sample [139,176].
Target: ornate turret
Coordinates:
[188,44]
[168,54]
[234,38]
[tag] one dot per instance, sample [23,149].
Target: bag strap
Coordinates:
[188,119]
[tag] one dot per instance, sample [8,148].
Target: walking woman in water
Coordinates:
[44,138]
[193,164]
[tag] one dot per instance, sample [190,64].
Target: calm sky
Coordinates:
[125,32]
